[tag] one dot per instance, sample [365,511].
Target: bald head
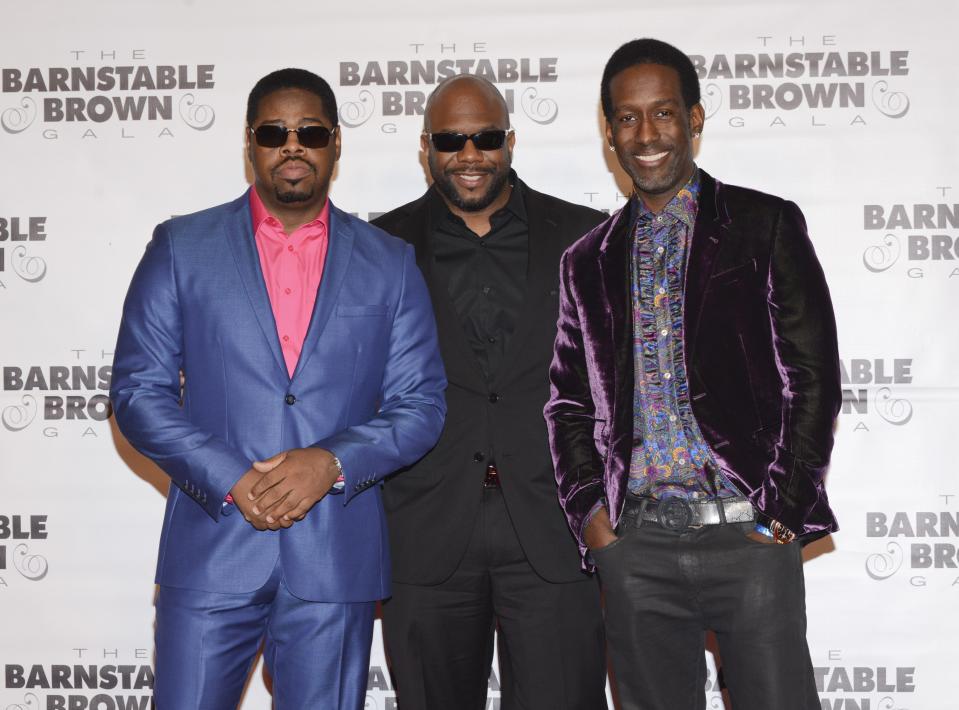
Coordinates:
[464,93]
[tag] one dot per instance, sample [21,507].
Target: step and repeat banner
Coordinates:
[116,115]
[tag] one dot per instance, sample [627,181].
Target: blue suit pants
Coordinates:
[317,653]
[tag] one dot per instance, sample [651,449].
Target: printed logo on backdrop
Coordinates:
[106,93]
[22,538]
[804,81]
[913,240]
[920,548]
[380,694]
[874,392]
[22,243]
[714,689]
[88,679]
[844,685]
[385,91]
[68,399]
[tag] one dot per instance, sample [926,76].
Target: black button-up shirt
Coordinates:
[486,275]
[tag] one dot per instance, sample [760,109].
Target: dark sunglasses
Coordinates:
[272,136]
[455,142]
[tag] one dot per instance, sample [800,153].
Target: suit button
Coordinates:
[493,398]
[479,456]
[290,399]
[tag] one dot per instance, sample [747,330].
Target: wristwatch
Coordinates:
[340,481]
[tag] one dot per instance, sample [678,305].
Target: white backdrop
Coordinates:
[841,107]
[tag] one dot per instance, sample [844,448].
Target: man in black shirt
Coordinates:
[478,539]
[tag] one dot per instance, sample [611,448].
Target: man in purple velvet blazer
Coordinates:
[695,383]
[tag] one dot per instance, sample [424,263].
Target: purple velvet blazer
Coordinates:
[761,356]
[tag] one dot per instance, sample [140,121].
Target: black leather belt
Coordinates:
[677,513]
[491,479]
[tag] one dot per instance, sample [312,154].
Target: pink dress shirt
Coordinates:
[292,266]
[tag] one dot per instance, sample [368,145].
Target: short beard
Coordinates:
[444,183]
[292,196]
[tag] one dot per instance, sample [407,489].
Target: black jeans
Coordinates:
[665,589]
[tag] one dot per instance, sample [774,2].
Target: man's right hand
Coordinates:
[599,532]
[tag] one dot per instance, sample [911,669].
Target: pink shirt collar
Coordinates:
[260,213]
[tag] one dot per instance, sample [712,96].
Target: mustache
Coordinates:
[652,148]
[470,171]
[295,159]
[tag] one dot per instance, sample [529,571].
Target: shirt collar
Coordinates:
[682,208]
[260,214]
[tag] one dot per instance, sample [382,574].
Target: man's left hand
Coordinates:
[757,536]
[292,485]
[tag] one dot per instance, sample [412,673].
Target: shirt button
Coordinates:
[479,456]
[660,250]
[664,331]
[289,248]
[286,338]
[666,375]
[290,399]
[672,417]
[287,291]
[493,398]
[662,290]
[491,339]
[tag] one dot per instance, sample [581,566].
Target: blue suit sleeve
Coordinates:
[410,418]
[145,387]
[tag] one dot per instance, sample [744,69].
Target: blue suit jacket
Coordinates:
[368,387]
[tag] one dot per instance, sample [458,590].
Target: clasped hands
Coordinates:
[280,490]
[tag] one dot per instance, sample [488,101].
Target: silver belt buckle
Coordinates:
[674,513]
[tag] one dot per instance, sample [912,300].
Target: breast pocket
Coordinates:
[733,274]
[359,341]
[362,328]
[345,311]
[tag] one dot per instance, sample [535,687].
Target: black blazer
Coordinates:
[431,506]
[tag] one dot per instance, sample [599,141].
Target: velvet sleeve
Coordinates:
[571,416]
[806,352]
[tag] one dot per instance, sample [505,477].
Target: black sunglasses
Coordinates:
[271,136]
[455,142]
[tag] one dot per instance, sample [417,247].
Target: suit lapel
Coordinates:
[338,252]
[539,276]
[415,229]
[461,363]
[711,226]
[238,233]
[614,270]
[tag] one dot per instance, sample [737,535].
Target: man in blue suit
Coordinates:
[307,347]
